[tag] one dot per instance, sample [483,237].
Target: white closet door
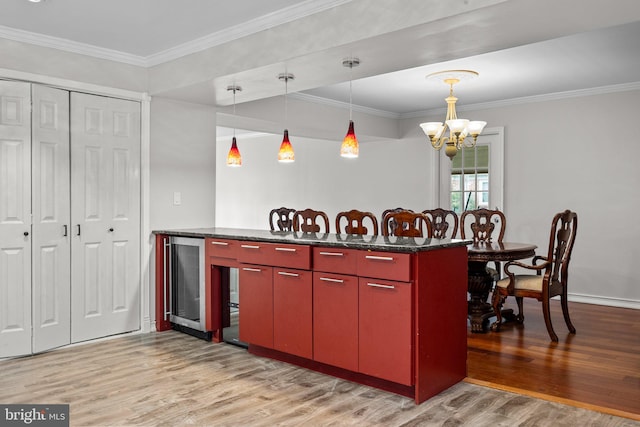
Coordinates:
[51,260]
[15,218]
[105,216]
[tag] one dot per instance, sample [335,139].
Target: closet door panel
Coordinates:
[15,219]
[51,279]
[105,197]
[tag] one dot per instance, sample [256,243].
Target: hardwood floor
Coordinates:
[173,379]
[598,367]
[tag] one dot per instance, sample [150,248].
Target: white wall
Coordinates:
[591,168]
[182,159]
[387,173]
[581,154]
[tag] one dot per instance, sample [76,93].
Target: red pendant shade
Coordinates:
[234,159]
[286,154]
[349,146]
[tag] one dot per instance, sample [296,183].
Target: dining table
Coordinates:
[480,278]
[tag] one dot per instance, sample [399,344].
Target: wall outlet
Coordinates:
[177,198]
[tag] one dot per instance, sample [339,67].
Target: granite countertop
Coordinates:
[376,243]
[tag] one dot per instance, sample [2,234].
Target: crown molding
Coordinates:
[253,26]
[71,46]
[601,90]
[279,17]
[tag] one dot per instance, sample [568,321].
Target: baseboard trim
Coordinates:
[608,301]
[550,398]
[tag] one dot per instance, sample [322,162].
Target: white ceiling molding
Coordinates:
[624,87]
[280,17]
[253,26]
[71,46]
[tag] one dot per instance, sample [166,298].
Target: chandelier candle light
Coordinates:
[286,154]
[459,129]
[349,147]
[234,159]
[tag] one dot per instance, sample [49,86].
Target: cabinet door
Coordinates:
[256,301]
[51,279]
[105,212]
[292,321]
[385,330]
[15,219]
[335,320]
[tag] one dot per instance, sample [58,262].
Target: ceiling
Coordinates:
[142,30]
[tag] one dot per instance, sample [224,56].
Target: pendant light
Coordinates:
[286,154]
[234,159]
[350,147]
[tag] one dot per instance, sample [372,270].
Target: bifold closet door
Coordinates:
[15,218]
[51,248]
[105,216]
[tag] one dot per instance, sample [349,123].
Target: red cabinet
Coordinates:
[335,260]
[385,330]
[256,302]
[220,248]
[283,255]
[335,319]
[292,312]
[384,265]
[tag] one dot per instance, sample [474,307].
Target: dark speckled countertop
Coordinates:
[374,243]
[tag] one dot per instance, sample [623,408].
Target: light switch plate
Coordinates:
[177,198]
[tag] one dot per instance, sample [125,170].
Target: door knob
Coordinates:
[111,230]
[26,233]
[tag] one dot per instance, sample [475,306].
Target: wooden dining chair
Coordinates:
[406,223]
[551,276]
[444,223]
[392,225]
[307,221]
[484,226]
[283,217]
[356,222]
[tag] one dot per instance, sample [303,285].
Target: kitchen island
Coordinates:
[386,311]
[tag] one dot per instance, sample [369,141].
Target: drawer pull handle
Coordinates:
[332,253]
[257,270]
[219,243]
[286,249]
[284,273]
[377,285]
[250,246]
[379,258]
[329,279]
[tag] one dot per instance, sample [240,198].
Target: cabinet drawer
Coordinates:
[335,260]
[261,253]
[384,265]
[221,248]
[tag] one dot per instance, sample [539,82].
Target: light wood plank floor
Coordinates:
[598,367]
[172,379]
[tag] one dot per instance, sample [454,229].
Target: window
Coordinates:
[473,179]
[470,179]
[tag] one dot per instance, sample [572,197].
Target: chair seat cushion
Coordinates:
[523,282]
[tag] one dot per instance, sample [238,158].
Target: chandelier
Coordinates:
[459,129]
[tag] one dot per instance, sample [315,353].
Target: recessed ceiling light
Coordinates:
[36,1]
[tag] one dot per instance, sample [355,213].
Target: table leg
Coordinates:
[480,284]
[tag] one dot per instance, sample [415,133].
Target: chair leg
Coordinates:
[547,319]
[565,313]
[497,300]
[520,316]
